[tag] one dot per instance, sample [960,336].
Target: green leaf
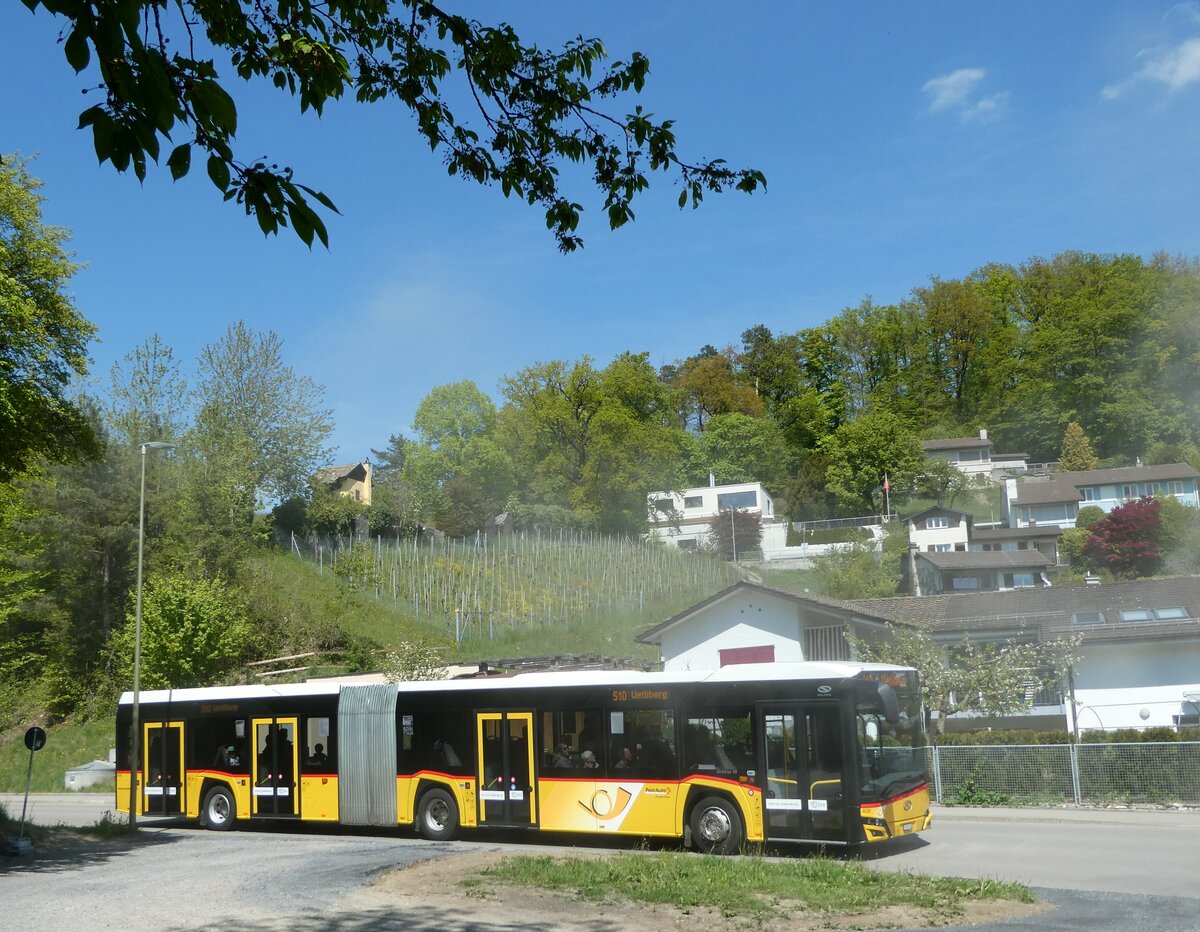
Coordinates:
[218,171]
[180,161]
[77,51]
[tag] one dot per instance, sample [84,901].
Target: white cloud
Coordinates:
[1174,68]
[955,93]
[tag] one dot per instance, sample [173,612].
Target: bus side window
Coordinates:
[318,750]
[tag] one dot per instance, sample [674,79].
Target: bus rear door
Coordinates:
[803,793]
[273,767]
[507,794]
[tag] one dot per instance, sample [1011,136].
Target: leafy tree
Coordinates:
[1088,515]
[538,109]
[712,387]
[734,531]
[147,396]
[456,442]
[740,448]
[594,442]
[43,338]
[866,449]
[1077,454]
[808,495]
[257,411]
[414,661]
[330,513]
[1125,541]
[193,632]
[862,571]
[989,678]
[1180,536]
[940,480]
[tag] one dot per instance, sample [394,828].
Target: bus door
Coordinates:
[803,793]
[162,767]
[273,767]
[505,754]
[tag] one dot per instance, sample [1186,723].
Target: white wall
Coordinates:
[1116,681]
[745,619]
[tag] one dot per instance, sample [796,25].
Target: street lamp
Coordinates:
[135,751]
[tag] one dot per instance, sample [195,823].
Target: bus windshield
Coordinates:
[891,753]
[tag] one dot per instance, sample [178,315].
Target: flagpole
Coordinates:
[887,500]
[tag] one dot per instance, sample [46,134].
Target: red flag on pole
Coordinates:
[886,487]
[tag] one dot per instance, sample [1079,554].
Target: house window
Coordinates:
[940,548]
[762,654]
[1137,615]
[693,501]
[1018,580]
[1087,618]
[1168,614]
[737,500]
[933,523]
[687,543]
[1175,487]
[1091,495]
[965,582]
[826,643]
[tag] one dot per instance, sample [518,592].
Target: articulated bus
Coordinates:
[825,753]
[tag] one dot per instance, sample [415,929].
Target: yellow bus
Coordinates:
[828,753]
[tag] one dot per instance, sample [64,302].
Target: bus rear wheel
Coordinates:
[437,816]
[220,811]
[717,826]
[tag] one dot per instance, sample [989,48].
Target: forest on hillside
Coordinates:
[1110,343]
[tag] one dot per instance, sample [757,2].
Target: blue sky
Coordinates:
[900,140]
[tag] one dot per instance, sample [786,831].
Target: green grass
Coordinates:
[751,887]
[67,745]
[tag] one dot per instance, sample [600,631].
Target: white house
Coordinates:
[939,530]
[970,455]
[1056,499]
[749,623]
[682,517]
[1139,660]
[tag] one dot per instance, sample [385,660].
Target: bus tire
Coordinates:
[717,826]
[219,811]
[437,816]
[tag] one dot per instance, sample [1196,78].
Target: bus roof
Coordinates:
[752,672]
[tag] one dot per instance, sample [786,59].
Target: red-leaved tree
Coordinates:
[1125,541]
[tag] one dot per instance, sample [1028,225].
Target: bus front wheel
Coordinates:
[220,811]
[716,826]
[437,816]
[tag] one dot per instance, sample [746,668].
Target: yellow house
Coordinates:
[352,480]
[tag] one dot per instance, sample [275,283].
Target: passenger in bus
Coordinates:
[318,755]
[626,760]
[562,757]
[589,760]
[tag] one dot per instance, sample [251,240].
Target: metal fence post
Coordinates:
[1075,774]
[937,774]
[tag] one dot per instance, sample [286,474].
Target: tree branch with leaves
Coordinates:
[537,110]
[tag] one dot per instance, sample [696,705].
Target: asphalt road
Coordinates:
[1104,870]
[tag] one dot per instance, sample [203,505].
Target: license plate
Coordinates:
[907,826]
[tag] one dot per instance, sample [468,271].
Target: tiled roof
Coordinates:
[654,635]
[986,559]
[935,509]
[1049,611]
[334,473]
[1015,533]
[1065,486]
[956,443]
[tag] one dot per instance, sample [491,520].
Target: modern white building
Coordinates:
[682,517]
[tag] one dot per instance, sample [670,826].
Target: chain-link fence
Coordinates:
[1163,773]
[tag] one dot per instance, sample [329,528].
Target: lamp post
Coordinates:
[135,750]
